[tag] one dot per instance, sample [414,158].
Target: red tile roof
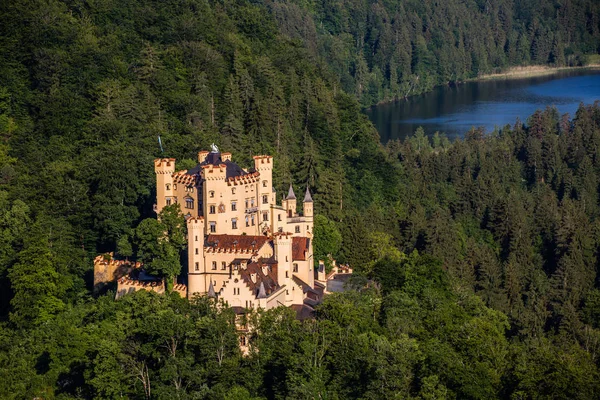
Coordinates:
[300,248]
[235,242]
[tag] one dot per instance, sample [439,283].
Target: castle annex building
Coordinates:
[243,247]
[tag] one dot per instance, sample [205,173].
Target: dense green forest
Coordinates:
[477,261]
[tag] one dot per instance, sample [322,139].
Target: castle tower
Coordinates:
[283,255]
[264,190]
[196,268]
[213,189]
[164,169]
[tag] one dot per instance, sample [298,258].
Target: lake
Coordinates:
[489,104]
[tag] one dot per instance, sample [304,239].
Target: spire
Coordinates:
[262,294]
[211,291]
[291,195]
[307,197]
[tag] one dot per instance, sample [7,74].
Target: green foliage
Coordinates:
[160,241]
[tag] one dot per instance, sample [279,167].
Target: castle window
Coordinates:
[223,265]
[264,183]
[168,186]
[196,238]
[233,206]
[247,224]
[174,186]
[196,250]
[287,274]
[265,199]
[168,202]
[265,216]
[232,190]
[214,265]
[246,203]
[252,202]
[307,228]
[211,193]
[252,219]
[297,228]
[295,267]
[234,223]
[189,202]
[211,209]
[197,267]
[279,217]
[213,227]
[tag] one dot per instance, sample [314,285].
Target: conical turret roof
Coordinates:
[307,196]
[291,195]
[262,294]
[211,291]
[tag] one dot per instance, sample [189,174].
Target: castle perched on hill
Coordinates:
[243,247]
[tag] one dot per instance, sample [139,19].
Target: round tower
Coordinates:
[307,205]
[196,268]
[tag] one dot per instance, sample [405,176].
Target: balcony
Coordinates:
[251,210]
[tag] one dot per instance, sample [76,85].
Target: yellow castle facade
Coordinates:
[243,247]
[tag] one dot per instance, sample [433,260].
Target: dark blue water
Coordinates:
[487,104]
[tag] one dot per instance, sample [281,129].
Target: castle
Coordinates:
[243,247]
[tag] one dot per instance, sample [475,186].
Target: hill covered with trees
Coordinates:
[477,260]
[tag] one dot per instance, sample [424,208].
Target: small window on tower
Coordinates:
[233,206]
[265,216]
[223,265]
[168,186]
[295,267]
[214,265]
[213,227]
[196,238]
[265,199]
[233,190]
[168,202]
[234,223]
[264,183]
[297,228]
[197,267]
[247,223]
[211,209]
[211,193]
[196,250]
[279,218]
[252,218]
[189,203]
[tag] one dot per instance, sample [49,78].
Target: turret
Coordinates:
[196,270]
[307,205]
[290,202]
[164,169]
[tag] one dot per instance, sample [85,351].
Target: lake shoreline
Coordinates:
[531,72]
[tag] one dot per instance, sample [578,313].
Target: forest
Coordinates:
[477,261]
